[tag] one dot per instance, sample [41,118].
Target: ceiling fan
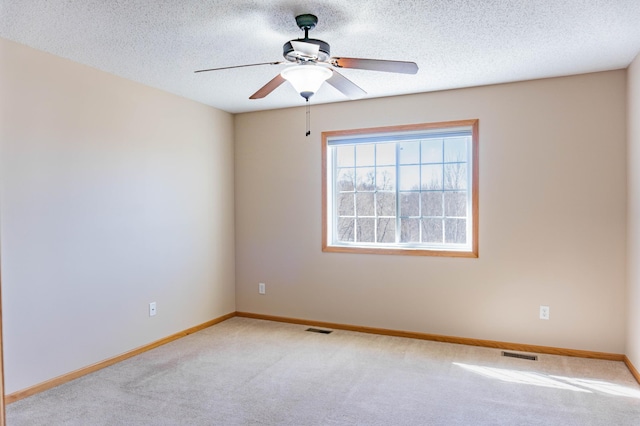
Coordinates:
[309,64]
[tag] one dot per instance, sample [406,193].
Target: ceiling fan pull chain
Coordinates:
[308,118]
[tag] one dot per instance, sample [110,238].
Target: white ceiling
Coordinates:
[456,43]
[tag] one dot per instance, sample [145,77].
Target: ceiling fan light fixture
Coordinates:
[306,79]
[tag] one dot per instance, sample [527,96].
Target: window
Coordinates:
[402,190]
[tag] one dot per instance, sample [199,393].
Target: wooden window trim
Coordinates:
[475,187]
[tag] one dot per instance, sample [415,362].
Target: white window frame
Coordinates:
[333,139]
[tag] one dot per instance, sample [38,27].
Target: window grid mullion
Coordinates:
[356,222]
[443,221]
[375,193]
[419,191]
[397,192]
[334,188]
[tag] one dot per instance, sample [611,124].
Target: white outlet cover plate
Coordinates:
[544,312]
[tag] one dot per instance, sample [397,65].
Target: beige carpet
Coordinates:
[252,372]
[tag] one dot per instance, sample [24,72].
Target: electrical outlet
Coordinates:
[152,309]
[262,288]
[544,312]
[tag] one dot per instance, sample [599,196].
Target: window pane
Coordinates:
[366,230]
[455,149]
[386,230]
[386,178]
[432,230]
[409,177]
[410,191]
[409,152]
[431,203]
[432,151]
[386,154]
[455,204]
[455,231]
[345,205]
[345,156]
[386,204]
[455,176]
[410,230]
[345,229]
[364,204]
[365,155]
[365,178]
[345,180]
[432,176]
[409,204]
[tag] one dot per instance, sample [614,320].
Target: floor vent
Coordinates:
[318,330]
[521,356]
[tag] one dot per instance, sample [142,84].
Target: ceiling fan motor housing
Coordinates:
[291,55]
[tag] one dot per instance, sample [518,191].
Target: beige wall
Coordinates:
[633,255]
[552,219]
[113,195]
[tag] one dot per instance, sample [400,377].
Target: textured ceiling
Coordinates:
[456,43]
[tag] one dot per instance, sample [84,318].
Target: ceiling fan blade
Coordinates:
[240,66]
[346,86]
[402,67]
[307,49]
[268,88]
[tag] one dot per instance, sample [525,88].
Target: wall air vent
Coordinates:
[318,330]
[521,356]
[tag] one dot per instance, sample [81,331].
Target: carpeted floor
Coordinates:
[252,372]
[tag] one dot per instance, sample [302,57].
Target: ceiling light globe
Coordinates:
[306,79]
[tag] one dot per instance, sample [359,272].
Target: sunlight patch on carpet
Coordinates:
[604,387]
[550,381]
[522,377]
